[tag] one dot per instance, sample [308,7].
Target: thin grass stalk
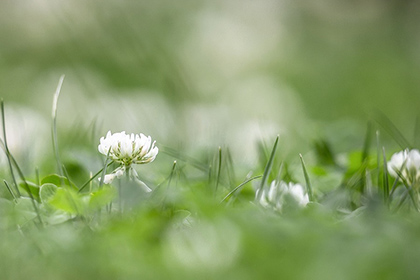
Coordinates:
[394,186]
[38,180]
[10,190]
[101,181]
[267,169]
[378,157]
[365,157]
[219,168]
[239,186]
[409,189]
[400,203]
[54,126]
[395,133]
[385,179]
[193,162]
[26,187]
[172,174]
[417,132]
[308,181]
[6,147]
[230,168]
[94,176]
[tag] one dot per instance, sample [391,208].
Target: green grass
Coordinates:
[201,220]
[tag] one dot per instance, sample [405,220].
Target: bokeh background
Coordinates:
[196,75]
[210,73]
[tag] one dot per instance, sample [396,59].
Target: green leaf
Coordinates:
[102,197]
[68,200]
[47,191]
[33,188]
[58,181]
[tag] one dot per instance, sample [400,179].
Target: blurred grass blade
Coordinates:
[417,132]
[279,172]
[219,169]
[230,167]
[54,126]
[172,174]
[267,169]
[239,186]
[101,181]
[365,157]
[197,164]
[10,190]
[386,181]
[6,148]
[25,186]
[395,133]
[308,182]
[366,143]
[93,177]
[378,156]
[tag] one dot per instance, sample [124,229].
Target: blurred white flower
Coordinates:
[127,149]
[407,163]
[276,195]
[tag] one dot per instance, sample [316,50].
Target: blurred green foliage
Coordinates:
[198,75]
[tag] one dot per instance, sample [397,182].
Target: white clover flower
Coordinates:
[127,149]
[407,163]
[277,192]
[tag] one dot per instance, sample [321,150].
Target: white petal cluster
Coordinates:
[128,148]
[108,178]
[278,191]
[407,163]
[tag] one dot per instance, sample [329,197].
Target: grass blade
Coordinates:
[219,168]
[172,174]
[365,157]
[54,126]
[94,176]
[193,162]
[239,186]
[6,147]
[10,190]
[308,182]
[25,185]
[385,180]
[395,133]
[267,169]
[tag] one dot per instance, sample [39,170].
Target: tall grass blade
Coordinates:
[385,179]
[308,181]
[267,169]
[239,186]
[101,181]
[417,132]
[395,133]
[26,187]
[365,157]
[6,148]
[219,169]
[93,177]
[172,174]
[193,162]
[54,126]
[10,190]
[230,168]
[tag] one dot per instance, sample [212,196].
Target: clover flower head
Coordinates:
[127,149]
[276,195]
[407,163]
